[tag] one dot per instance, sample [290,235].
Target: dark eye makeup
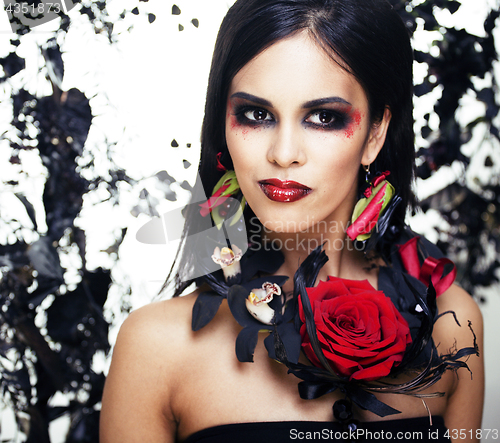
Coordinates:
[253,116]
[325,119]
[328,119]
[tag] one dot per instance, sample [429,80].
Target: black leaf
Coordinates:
[204,309]
[54,61]
[29,209]
[12,64]
[246,342]
[45,259]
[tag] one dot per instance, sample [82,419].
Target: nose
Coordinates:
[286,147]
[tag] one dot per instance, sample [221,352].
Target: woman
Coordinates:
[309,102]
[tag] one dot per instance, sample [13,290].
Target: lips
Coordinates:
[283,191]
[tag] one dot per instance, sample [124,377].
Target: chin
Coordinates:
[287,225]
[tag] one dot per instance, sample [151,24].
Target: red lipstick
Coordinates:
[283,191]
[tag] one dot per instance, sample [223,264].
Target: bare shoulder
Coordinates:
[152,321]
[460,300]
[157,330]
[461,326]
[143,373]
[460,316]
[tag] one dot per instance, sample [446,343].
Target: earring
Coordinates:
[225,188]
[220,166]
[224,162]
[367,173]
[369,208]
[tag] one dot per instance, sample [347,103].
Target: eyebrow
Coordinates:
[252,98]
[306,105]
[324,101]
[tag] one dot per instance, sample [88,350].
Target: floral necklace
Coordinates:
[352,334]
[355,337]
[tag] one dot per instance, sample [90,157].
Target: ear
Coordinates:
[376,138]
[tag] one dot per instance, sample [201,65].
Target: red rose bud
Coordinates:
[367,211]
[360,331]
[225,187]
[214,201]
[376,181]
[379,178]
[220,166]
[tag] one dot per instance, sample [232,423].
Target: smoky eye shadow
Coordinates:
[340,120]
[240,111]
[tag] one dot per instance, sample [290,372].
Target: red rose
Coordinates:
[360,331]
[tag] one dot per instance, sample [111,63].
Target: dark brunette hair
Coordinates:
[370,41]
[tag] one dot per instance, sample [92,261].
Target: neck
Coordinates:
[344,260]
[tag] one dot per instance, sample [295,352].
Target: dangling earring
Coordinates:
[367,171]
[369,208]
[224,162]
[225,188]
[220,166]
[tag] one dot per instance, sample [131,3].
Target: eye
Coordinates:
[327,119]
[258,115]
[253,116]
[322,118]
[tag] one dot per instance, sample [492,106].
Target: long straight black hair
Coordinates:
[371,42]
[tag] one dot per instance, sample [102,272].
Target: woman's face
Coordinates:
[297,130]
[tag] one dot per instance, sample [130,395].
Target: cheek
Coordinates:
[239,133]
[337,166]
[340,149]
[237,144]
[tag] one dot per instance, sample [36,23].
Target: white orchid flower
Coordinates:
[229,260]
[258,302]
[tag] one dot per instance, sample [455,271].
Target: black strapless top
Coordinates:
[416,429]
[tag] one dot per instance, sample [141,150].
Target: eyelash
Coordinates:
[339,119]
[242,119]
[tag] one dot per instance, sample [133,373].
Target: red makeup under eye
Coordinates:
[229,115]
[233,121]
[354,123]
